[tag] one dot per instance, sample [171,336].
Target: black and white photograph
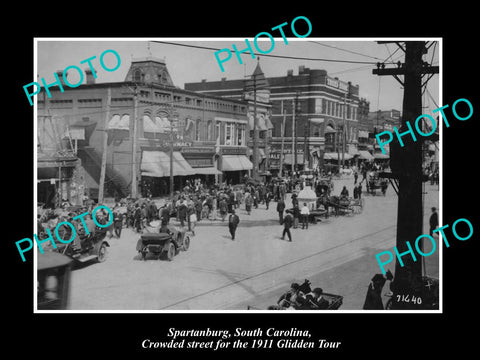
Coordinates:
[222,180]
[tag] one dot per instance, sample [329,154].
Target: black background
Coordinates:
[379,335]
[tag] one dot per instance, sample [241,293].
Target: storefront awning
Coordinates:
[365,155]
[157,164]
[236,163]
[261,122]
[207,171]
[330,129]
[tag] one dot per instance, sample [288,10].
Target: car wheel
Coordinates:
[102,253]
[186,243]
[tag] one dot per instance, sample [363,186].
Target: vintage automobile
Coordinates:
[53,281]
[92,246]
[333,302]
[163,244]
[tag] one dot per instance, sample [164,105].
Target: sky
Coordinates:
[186,64]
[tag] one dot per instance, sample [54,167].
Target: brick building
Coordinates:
[246,90]
[208,133]
[311,113]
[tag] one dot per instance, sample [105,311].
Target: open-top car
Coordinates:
[92,246]
[164,244]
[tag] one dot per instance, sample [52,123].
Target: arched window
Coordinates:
[197,130]
[137,75]
[209,130]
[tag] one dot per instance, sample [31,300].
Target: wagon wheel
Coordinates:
[186,243]
[170,253]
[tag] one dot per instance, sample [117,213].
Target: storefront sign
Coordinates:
[200,162]
[197,149]
[233,151]
[337,84]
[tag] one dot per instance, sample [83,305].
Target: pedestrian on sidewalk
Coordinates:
[248,204]
[198,208]
[267,198]
[193,221]
[287,224]
[223,208]
[296,216]
[305,212]
[182,212]
[233,221]
[280,209]
[256,197]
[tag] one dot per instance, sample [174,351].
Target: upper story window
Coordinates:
[137,75]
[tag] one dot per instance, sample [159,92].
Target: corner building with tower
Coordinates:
[145,117]
[312,116]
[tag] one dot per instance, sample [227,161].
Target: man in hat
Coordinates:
[316,301]
[292,298]
[138,218]
[233,221]
[287,224]
[182,212]
[280,209]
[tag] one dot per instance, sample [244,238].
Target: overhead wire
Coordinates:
[271,55]
[345,50]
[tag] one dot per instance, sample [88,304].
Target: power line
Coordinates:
[351,70]
[274,56]
[345,50]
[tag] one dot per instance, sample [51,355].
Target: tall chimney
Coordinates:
[90,78]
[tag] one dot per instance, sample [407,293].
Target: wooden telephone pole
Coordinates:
[406,165]
[101,185]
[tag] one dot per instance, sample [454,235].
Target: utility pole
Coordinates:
[101,185]
[134,144]
[295,158]
[305,144]
[171,159]
[294,148]
[283,140]
[406,165]
[255,129]
[344,129]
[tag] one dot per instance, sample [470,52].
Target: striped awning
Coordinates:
[365,155]
[236,163]
[157,164]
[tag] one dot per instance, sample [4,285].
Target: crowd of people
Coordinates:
[197,202]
